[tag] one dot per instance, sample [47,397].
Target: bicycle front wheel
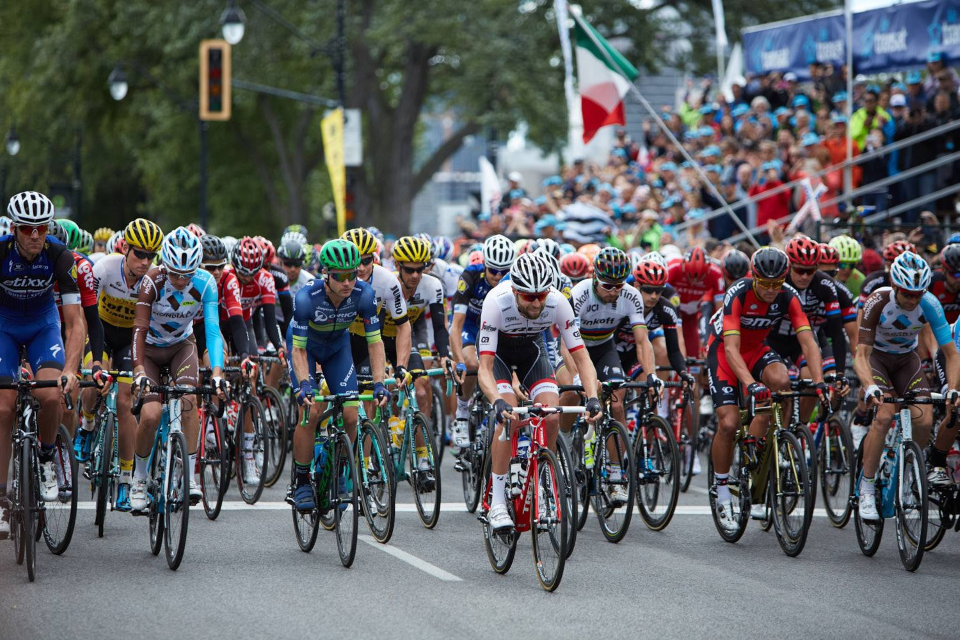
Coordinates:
[686,447]
[911,506]
[789,489]
[501,547]
[658,472]
[570,506]
[155,497]
[176,501]
[250,478]
[305,524]
[60,516]
[275,432]
[343,500]
[809,447]
[616,481]
[549,528]
[836,466]
[424,472]
[29,506]
[378,488]
[102,478]
[937,521]
[213,464]
[738,482]
[869,533]
[439,415]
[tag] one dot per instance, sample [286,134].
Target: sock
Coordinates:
[663,410]
[937,458]
[46,452]
[247,446]
[140,468]
[723,491]
[86,423]
[193,463]
[868,486]
[303,474]
[126,471]
[463,409]
[498,495]
[616,473]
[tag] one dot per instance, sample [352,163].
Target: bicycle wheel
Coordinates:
[306,524]
[614,457]
[910,500]
[835,465]
[789,490]
[213,463]
[439,418]
[344,500]
[16,506]
[686,448]
[60,516]
[176,501]
[582,479]
[251,488]
[425,479]
[471,459]
[155,498]
[549,529]
[29,506]
[738,481]
[767,521]
[810,453]
[658,484]
[501,547]
[379,490]
[570,506]
[868,533]
[275,432]
[937,521]
[102,477]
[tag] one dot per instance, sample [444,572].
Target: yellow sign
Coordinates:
[332,129]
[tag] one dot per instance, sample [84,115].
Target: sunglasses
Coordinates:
[809,271]
[413,270]
[771,285]
[911,295]
[534,297]
[293,263]
[847,265]
[28,230]
[367,260]
[214,267]
[348,276]
[609,286]
[180,276]
[144,255]
[497,272]
[651,290]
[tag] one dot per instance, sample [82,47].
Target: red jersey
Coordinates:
[938,287]
[710,289]
[746,315]
[259,291]
[228,295]
[85,282]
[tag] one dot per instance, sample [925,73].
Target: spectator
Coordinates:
[869,117]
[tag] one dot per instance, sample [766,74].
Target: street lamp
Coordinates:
[13,142]
[232,21]
[118,83]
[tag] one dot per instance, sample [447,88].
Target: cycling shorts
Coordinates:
[790,351]
[629,364]
[336,363]
[898,373]
[724,385]
[360,353]
[390,348]
[180,359]
[39,338]
[532,366]
[469,335]
[606,361]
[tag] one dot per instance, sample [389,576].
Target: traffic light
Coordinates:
[214,80]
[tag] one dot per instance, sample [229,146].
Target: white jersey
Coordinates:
[96,256]
[305,278]
[449,275]
[428,292]
[501,322]
[386,289]
[597,319]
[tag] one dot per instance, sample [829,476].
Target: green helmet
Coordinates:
[848,248]
[340,255]
[73,232]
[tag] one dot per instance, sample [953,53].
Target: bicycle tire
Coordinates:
[791,494]
[57,533]
[275,431]
[30,505]
[614,519]
[767,523]
[154,488]
[306,524]
[835,466]
[439,422]
[16,508]
[418,478]
[501,548]
[379,493]
[686,448]
[176,501]
[869,534]
[739,485]
[660,480]
[346,509]
[810,450]
[582,479]
[551,487]
[250,493]
[911,544]
[571,507]
[213,464]
[102,471]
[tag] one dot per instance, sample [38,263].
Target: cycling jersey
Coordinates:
[502,326]
[261,290]
[873,282]
[118,302]
[819,302]
[669,291]
[302,280]
[598,320]
[890,329]
[746,315]
[472,289]
[692,294]
[848,305]
[230,295]
[949,300]
[449,275]
[821,305]
[855,281]
[428,292]
[26,286]
[662,315]
[387,295]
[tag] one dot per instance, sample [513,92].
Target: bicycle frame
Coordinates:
[161,441]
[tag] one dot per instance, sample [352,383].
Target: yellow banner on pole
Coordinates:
[332,129]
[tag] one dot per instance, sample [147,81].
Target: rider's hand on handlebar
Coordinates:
[69,383]
[222,386]
[759,391]
[873,395]
[656,385]
[101,378]
[952,397]
[381,394]
[823,394]
[460,372]
[687,379]
[249,368]
[594,409]
[305,396]
[503,411]
[400,374]
[841,386]
[140,383]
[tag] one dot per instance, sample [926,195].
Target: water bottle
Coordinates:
[396,431]
[320,453]
[588,445]
[523,453]
[321,470]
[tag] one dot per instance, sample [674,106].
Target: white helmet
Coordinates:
[30,208]
[6,226]
[229,242]
[498,252]
[293,236]
[531,273]
[655,256]
[181,251]
[112,242]
[671,251]
[550,246]
[552,261]
[910,272]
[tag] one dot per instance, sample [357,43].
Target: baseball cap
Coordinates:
[935,56]
[790,76]
[668,166]
[810,139]
[840,96]
[514,176]
[913,77]
[898,100]
[801,100]
[739,110]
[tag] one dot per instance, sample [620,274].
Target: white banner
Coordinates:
[490,192]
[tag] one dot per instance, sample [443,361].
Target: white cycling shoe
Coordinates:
[461,433]
[758,511]
[939,477]
[250,476]
[196,494]
[858,432]
[618,494]
[499,518]
[868,507]
[696,465]
[726,517]
[138,494]
[49,487]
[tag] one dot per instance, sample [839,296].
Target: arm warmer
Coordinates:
[440,334]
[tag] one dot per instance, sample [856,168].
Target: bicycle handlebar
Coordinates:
[26,384]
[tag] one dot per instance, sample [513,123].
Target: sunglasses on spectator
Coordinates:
[345,276]
[848,265]
[214,267]
[144,255]
[806,271]
[293,263]
[534,297]
[28,230]
[497,272]
[610,286]
[366,260]
[911,295]
[413,270]
[771,285]
[651,290]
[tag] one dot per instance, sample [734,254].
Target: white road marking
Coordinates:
[412,560]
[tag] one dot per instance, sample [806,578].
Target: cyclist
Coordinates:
[945,285]
[258,290]
[879,279]
[699,282]
[737,355]
[324,311]
[30,264]
[169,298]
[514,315]
[118,278]
[887,363]
[292,256]
[830,265]
[476,281]
[575,266]
[100,238]
[851,252]
[734,265]
[230,305]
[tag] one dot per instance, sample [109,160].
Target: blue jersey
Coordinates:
[26,286]
[471,290]
[317,322]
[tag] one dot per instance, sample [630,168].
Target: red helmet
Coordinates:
[247,257]
[575,266]
[695,265]
[894,249]
[476,257]
[650,274]
[196,230]
[269,253]
[829,256]
[803,252]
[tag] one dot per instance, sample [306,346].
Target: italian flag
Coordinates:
[605,77]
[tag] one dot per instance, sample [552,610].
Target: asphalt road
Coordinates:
[243,576]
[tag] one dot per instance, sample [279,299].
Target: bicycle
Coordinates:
[901,487]
[541,511]
[333,479]
[681,401]
[245,401]
[213,462]
[26,506]
[275,426]
[377,476]
[470,460]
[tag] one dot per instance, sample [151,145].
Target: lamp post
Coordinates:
[13,148]
[233,23]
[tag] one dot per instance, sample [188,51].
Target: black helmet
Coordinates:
[291,250]
[213,250]
[770,263]
[735,264]
[950,256]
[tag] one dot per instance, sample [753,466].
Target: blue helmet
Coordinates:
[954,239]
[910,272]
[181,251]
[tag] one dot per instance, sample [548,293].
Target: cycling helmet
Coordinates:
[553,262]
[86,243]
[442,247]
[522,245]
[196,230]
[910,272]
[803,252]
[650,274]
[546,244]
[294,237]
[376,233]
[30,208]
[950,258]
[73,232]
[829,256]
[102,234]
[269,253]
[954,239]
[247,256]
[894,249]
[340,255]
[657,257]
[611,264]
[57,231]
[291,249]
[475,257]
[849,249]
[181,251]
[411,249]
[770,263]
[6,226]
[498,252]
[425,237]
[143,234]
[366,242]
[695,265]
[214,251]
[531,273]
[735,264]
[566,248]
[116,243]
[229,242]
[575,266]
[296,228]
[590,250]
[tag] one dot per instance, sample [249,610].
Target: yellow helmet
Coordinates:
[411,249]
[365,241]
[102,234]
[143,234]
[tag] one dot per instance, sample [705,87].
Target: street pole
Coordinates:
[848,170]
[202,128]
[341,52]
[78,178]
